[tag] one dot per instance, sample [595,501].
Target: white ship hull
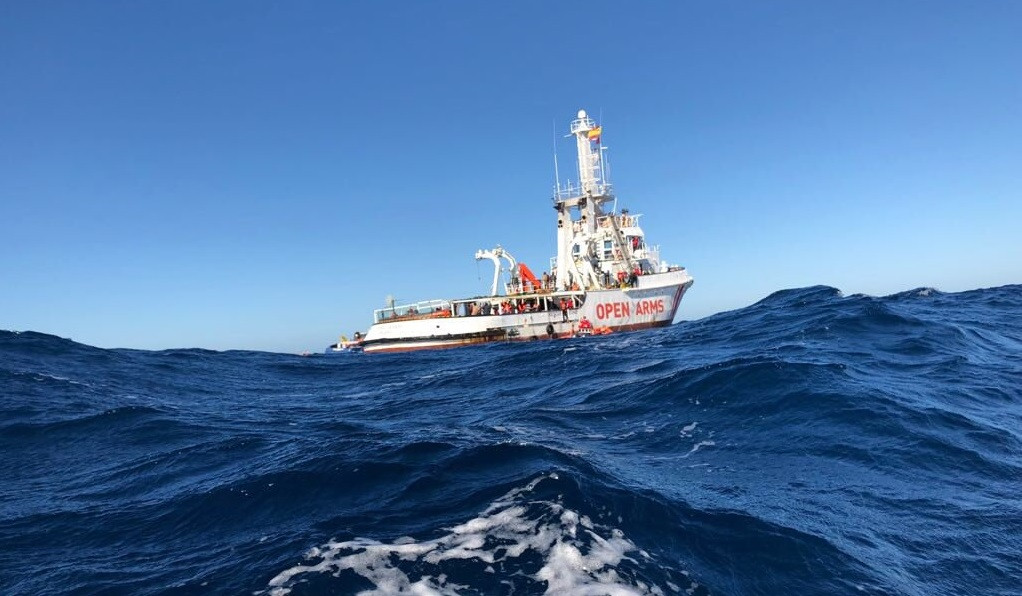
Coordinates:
[652,303]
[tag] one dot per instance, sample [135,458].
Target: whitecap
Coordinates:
[697,446]
[576,555]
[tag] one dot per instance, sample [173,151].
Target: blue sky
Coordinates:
[261,175]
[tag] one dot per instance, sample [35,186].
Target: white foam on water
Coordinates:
[578,556]
[697,446]
[39,376]
[687,430]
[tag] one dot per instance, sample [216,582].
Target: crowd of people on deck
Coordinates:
[511,306]
[548,282]
[624,279]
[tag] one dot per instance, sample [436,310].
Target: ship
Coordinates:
[604,278]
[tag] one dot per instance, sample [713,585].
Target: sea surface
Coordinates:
[812,443]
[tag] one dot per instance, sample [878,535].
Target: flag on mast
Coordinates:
[594,134]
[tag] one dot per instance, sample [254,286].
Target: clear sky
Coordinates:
[261,175]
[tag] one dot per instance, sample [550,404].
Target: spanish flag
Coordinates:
[594,134]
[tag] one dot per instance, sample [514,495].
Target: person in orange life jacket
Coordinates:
[584,323]
[564,310]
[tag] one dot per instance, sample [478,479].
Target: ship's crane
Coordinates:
[496,255]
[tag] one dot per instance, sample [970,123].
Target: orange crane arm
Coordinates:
[526,274]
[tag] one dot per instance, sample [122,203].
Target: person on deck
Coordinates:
[564,310]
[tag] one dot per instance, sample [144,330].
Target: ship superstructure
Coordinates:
[604,277]
[595,245]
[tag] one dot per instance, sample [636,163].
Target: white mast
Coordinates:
[588,158]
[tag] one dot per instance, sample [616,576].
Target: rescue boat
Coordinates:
[604,272]
[345,345]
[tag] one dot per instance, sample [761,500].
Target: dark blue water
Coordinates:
[809,444]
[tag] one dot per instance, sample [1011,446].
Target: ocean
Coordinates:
[812,443]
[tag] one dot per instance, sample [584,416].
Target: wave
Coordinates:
[813,442]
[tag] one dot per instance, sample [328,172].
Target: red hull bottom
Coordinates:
[437,344]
